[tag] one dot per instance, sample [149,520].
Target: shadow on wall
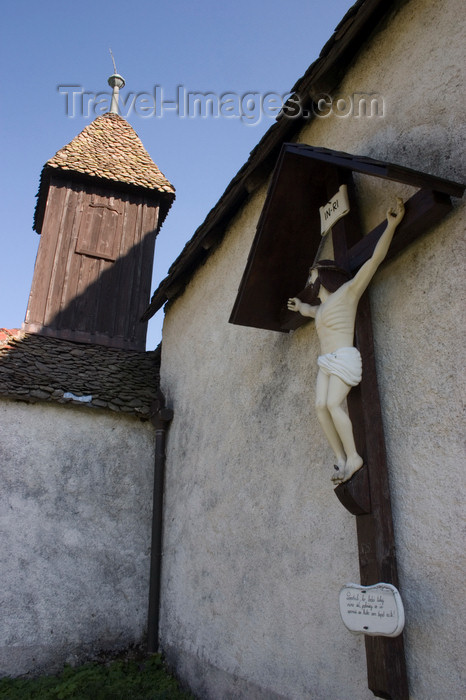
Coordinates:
[94,300]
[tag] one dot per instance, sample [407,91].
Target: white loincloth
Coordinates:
[345,363]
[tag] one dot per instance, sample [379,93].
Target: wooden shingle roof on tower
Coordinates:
[109,150]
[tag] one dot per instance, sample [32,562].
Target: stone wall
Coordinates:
[256,544]
[75,523]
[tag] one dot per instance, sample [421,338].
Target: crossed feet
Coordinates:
[345,468]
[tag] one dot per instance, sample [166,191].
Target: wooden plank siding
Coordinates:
[41,283]
[93,270]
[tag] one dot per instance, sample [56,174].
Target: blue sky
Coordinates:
[242,47]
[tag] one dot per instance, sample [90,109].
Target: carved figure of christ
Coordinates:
[340,362]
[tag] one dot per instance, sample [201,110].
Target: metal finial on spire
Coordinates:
[116,82]
[113,61]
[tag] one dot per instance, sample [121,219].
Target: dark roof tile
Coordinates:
[39,368]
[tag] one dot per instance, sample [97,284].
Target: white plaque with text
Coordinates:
[373,610]
[331,212]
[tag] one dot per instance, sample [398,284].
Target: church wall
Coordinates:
[76,508]
[256,545]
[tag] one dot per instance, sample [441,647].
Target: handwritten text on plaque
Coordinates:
[373,610]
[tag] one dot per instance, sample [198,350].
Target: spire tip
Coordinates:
[116,81]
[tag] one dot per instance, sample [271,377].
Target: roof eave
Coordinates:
[324,75]
[164,197]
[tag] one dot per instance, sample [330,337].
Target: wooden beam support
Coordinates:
[423,210]
[367,493]
[386,666]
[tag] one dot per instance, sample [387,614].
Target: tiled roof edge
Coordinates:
[35,368]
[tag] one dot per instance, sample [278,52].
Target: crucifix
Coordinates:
[334,309]
[287,243]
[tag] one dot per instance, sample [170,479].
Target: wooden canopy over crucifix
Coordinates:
[285,246]
[288,232]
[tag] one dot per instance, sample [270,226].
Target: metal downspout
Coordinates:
[160,418]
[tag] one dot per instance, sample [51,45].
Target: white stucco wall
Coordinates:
[75,523]
[256,544]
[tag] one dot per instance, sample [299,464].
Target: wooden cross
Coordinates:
[306,178]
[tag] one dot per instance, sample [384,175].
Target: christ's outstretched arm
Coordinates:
[361,280]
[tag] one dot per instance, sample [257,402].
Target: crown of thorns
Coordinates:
[331,276]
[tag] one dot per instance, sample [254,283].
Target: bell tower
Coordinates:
[101,203]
